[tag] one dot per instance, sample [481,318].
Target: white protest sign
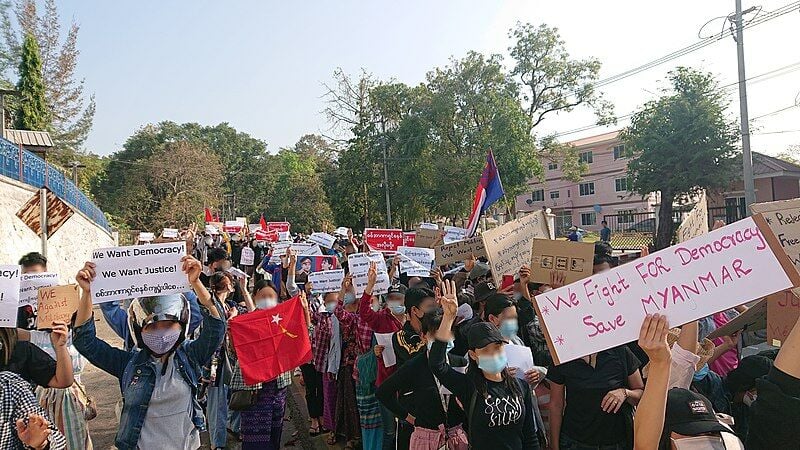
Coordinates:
[146,237]
[453,234]
[248,256]
[509,246]
[211,229]
[137,271]
[711,273]
[696,222]
[323,239]
[169,233]
[301,248]
[29,284]
[284,236]
[342,231]
[416,261]
[385,340]
[326,281]
[359,263]
[9,295]
[237,273]
[428,226]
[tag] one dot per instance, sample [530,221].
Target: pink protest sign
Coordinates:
[713,272]
[383,240]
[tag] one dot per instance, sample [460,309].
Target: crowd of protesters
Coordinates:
[450,385]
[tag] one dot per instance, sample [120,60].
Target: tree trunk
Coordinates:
[663,237]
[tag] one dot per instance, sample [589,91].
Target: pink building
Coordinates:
[602,191]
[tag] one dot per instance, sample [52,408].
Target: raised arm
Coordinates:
[648,424]
[456,382]
[64,376]
[364,305]
[192,268]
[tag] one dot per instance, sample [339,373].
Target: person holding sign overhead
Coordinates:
[499,406]
[159,377]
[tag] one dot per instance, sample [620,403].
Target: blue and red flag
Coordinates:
[489,190]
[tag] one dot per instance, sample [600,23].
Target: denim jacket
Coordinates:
[137,376]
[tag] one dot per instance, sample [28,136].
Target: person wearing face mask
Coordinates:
[408,340]
[434,413]
[218,260]
[355,337]
[159,377]
[499,406]
[321,408]
[387,320]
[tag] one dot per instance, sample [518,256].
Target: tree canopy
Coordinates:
[32,112]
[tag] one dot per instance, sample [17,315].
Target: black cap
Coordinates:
[397,289]
[216,254]
[743,378]
[481,269]
[484,290]
[690,414]
[481,334]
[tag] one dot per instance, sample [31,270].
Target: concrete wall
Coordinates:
[67,249]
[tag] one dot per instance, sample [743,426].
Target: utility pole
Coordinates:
[75,166]
[747,157]
[386,186]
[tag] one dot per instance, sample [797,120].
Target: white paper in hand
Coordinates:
[385,339]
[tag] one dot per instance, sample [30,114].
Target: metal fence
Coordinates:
[727,214]
[30,169]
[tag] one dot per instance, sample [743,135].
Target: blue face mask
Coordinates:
[509,328]
[330,307]
[397,307]
[700,374]
[493,364]
[450,345]
[349,298]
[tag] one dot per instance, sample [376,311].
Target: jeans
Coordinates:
[567,443]
[389,429]
[217,410]
[235,421]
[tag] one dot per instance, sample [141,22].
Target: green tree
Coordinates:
[681,143]
[299,195]
[32,113]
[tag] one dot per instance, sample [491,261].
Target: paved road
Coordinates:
[105,389]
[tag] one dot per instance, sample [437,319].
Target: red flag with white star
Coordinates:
[271,341]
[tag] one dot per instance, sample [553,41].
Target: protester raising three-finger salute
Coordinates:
[159,377]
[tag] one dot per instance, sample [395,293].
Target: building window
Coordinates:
[554,194]
[552,166]
[537,195]
[619,151]
[625,215]
[621,184]
[588,218]
[586,189]
[586,157]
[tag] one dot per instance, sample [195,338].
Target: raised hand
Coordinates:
[524,275]
[653,338]
[557,278]
[59,334]
[192,268]
[85,276]
[448,298]
[469,263]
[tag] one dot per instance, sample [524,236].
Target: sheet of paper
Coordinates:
[323,239]
[326,281]
[520,358]
[248,256]
[29,284]
[385,339]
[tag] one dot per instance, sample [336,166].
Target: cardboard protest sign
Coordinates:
[57,303]
[428,238]
[326,281]
[359,263]
[783,310]
[711,273]
[9,295]
[459,251]
[383,240]
[138,271]
[755,318]
[146,237]
[509,245]
[416,261]
[574,259]
[322,239]
[783,220]
[29,284]
[169,233]
[248,257]
[409,237]
[453,234]
[696,222]
[301,248]
[281,227]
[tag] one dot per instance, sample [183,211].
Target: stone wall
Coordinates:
[67,249]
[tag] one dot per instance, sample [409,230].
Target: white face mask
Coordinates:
[208,241]
[266,303]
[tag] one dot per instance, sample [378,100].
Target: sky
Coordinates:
[261,65]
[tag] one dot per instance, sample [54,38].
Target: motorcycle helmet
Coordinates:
[146,310]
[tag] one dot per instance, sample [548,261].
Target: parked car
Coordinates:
[645,226]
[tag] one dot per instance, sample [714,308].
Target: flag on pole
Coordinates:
[489,190]
[209,218]
[262,222]
[271,341]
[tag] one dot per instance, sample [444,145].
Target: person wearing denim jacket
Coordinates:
[143,372]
